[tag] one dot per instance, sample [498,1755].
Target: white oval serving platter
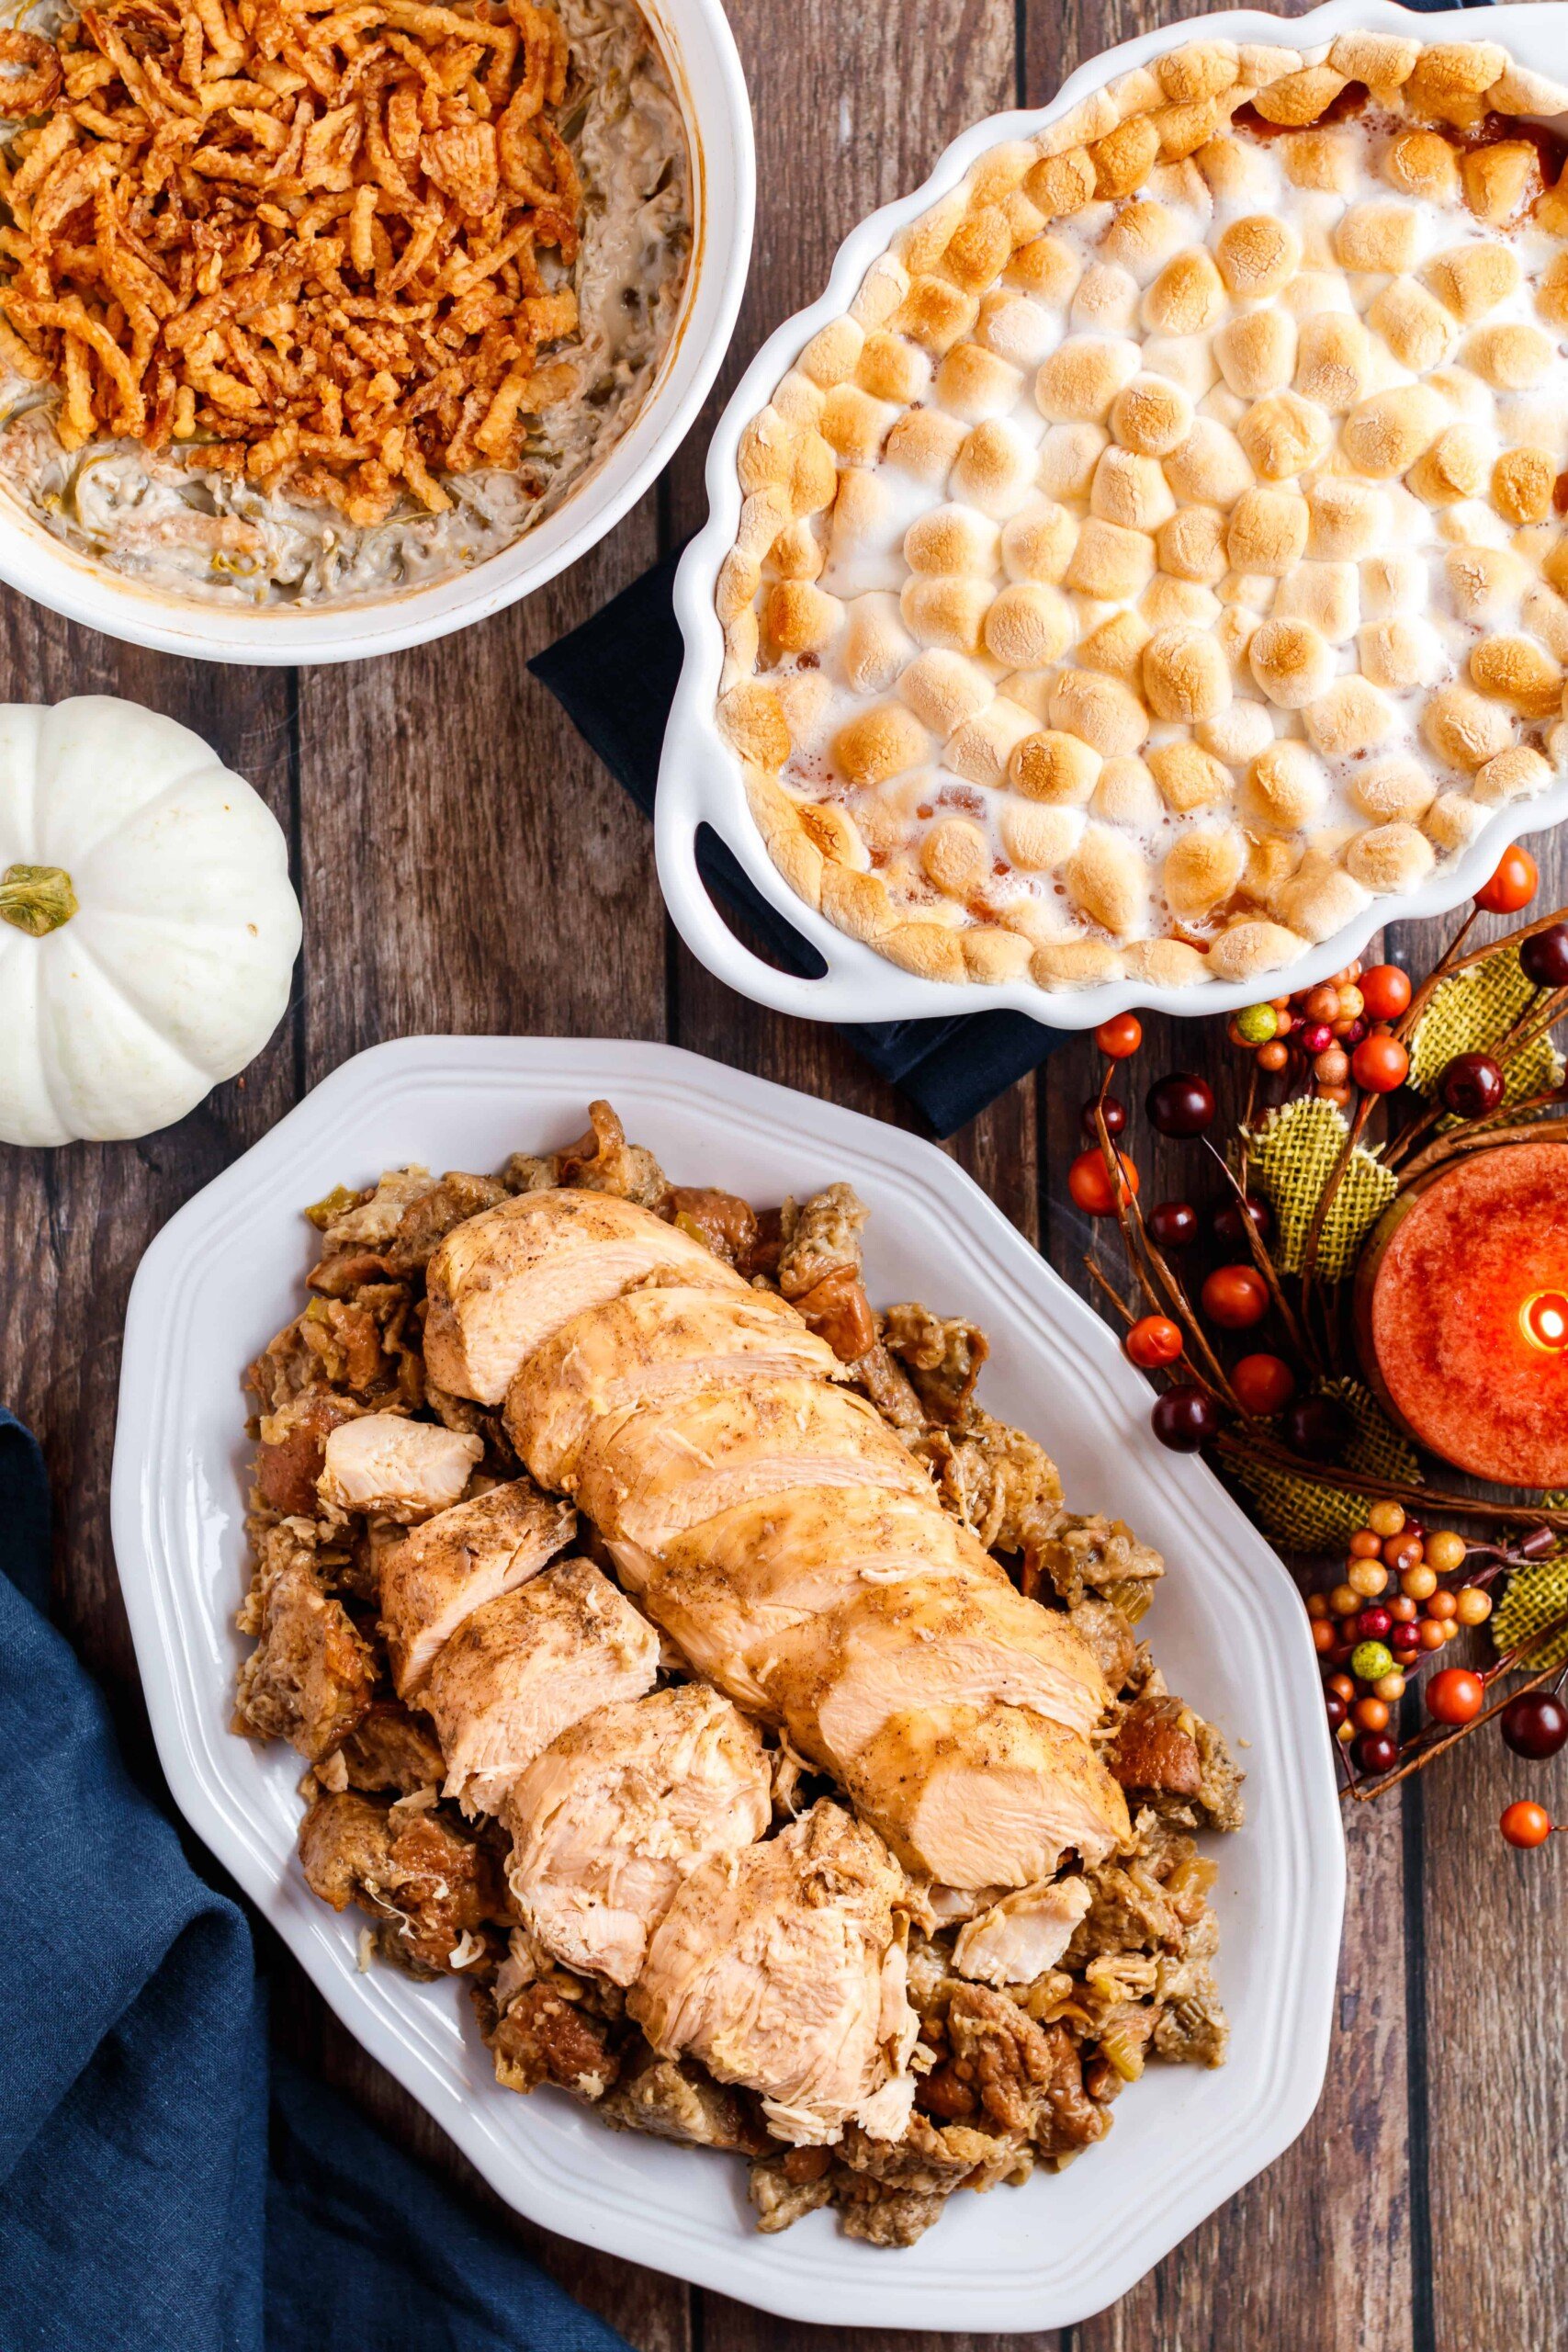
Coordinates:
[1227,1627]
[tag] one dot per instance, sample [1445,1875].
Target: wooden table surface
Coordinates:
[466,865]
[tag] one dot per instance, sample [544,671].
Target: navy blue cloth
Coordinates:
[158,2193]
[614,677]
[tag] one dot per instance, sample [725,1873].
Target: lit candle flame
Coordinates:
[1543,1319]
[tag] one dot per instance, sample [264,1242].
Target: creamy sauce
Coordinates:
[166,524]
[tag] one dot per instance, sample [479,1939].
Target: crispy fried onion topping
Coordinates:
[301,239]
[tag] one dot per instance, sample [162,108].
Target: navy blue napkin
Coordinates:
[614,677]
[156,2193]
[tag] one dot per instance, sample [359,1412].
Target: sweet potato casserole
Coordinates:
[302,301]
[682,1654]
[1165,556]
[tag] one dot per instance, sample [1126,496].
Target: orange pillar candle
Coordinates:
[1461,1313]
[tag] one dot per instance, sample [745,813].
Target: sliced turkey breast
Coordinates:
[990,1797]
[782,1968]
[461,1558]
[926,1641]
[726,1591]
[524,1668]
[646,1474]
[502,1281]
[618,1809]
[1023,1934]
[649,1347]
[397,1468]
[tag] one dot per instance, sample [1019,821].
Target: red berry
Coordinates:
[1315,1038]
[1318,1426]
[1535,1724]
[1544,959]
[1173,1224]
[1263,1383]
[1374,1625]
[1380,1063]
[1181,1104]
[1385,991]
[1456,1695]
[1512,885]
[1472,1086]
[1526,1825]
[1236,1297]
[1153,1341]
[1119,1036]
[1334,1707]
[1184,1419]
[1231,1220]
[1089,1181]
[1377,1751]
[1115,1114]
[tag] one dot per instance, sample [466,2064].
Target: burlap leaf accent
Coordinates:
[1534,1597]
[1304,1516]
[1469,1014]
[1295,1151]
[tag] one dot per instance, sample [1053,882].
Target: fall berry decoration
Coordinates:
[1318,1426]
[1154,1341]
[1535,1724]
[1512,886]
[1385,991]
[1233,1217]
[1313,1035]
[1380,1063]
[1173,1224]
[1185,1418]
[1543,957]
[1119,1037]
[1264,1385]
[1089,1181]
[1527,1825]
[1455,1696]
[1181,1105]
[1473,1086]
[1236,1297]
[1110,1109]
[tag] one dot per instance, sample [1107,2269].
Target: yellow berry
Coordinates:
[1368,1578]
[1418,1583]
[1473,1605]
[1445,1551]
[1345,1600]
[1390,1687]
[1385,1518]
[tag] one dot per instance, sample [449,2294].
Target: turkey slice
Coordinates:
[927,1642]
[461,1558]
[502,1281]
[385,1464]
[618,1809]
[645,1476]
[729,1588]
[991,1796]
[1023,1936]
[782,1968]
[649,1347]
[524,1668]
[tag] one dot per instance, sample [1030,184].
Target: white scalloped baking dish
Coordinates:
[700,781]
[1227,1626]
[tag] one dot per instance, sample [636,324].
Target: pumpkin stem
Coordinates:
[36,898]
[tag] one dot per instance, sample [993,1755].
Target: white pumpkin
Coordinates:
[148,928]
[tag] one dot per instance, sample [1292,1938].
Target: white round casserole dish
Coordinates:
[700,781]
[699,52]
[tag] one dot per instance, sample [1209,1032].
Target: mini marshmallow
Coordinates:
[955,857]
[1038,543]
[1320,899]
[952,539]
[878,743]
[1521,486]
[1189,778]
[1385,435]
[980,749]
[1351,717]
[854,425]
[1016,329]
[1456,466]
[1415,325]
[1517,671]
[1283,434]
[1111,562]
[1029,625]
[950,612]
[1334,362]
[1068,456]
[1500,179]
[1202,870]
[1237,734]
[943,689]
[1142,235]
[1151,416]
[1183,360]
[1243,949]
[1036,837]
[974,383]
[1055,767]
[924,443]
[1390,857]
[1484,583]
[1267,532]
[1286,787]
[1392,584]
[1082,376]
[1423,163]
[1290,663]
[1131,489]
[1326,594]
[1210,469]
[1257,352]
[1188,296]
[1394,790]
[1126,794]
[934,314]
[876,644]
[1191,545]
[1510,355]
[1381,236]
[995,468]
[1178,604]
[1517,774]
[1464,729]
[1100,710]
[1116,645]
[1107,879]
[1185,676]
[1400,652]
[890,368]
[1257,256]
[1453,818]
[1047,269]
[800,618]
[1106,301]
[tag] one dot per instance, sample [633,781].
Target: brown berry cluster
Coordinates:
[1392,1609]
[1329,1037]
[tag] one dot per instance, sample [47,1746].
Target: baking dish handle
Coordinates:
[837,994]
